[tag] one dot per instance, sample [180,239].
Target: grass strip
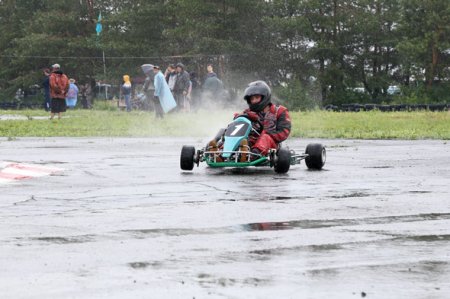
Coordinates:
[311,124]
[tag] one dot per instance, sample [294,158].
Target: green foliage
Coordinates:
[295,97]
[351,96]
[422,94]
[337,44]
[425,30]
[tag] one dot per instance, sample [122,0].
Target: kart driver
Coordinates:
[272,122]
[275,119]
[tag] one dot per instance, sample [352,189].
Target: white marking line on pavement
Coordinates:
[11,172]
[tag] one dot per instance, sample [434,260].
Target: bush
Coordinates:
[295,97]
[421,94]
[349,96]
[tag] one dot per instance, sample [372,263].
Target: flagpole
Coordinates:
[104,74]
[104,64]
[99,29]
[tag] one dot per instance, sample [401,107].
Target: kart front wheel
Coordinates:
[316,156]
[282,161]
[187,157]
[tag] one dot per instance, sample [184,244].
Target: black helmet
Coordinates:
[258,88]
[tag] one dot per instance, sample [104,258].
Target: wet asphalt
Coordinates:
[123,221]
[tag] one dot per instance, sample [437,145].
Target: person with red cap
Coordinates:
[59,86]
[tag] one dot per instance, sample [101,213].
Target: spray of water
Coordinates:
[209,111]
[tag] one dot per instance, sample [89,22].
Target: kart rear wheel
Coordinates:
[317,156]
[187,157]
[282,161]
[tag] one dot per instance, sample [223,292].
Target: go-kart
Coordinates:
[231,154]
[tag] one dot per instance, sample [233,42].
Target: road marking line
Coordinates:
[12,172]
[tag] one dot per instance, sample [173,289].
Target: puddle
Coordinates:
[265,254]
[283,225]
[379,167]
[65,240]
[268,198]
[325,247]
[144,265]
[419,192]
[354,194]
[267,226]
[428,238]
[262,252]
[207,280]
[51,146]
[139,265]
[51,162]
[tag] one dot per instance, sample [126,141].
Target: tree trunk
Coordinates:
[323,86]
[435,55]
[433,65]
[90,6]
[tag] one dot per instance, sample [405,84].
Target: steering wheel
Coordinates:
[259,124]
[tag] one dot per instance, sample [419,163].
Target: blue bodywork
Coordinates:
[238,130]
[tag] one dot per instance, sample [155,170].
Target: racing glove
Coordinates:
[253,116]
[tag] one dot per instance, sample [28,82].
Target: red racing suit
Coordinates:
[276,126]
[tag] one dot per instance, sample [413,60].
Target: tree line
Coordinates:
[313,52]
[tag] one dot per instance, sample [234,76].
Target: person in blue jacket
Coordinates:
[72,94]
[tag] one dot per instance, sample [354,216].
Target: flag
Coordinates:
[99,28]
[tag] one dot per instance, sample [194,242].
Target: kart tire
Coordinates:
[282,161]
[316,156]
[187,157]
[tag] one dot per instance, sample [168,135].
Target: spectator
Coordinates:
[188,98]
[59,86]
[213,86]
[91,92]
[125,90]
[83,95]
[210,71]
[171,76]
[46,86]
[148,88]
[181,88]
[72,94]
[162,94]
[86,94]
[20,94]
[194,93]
